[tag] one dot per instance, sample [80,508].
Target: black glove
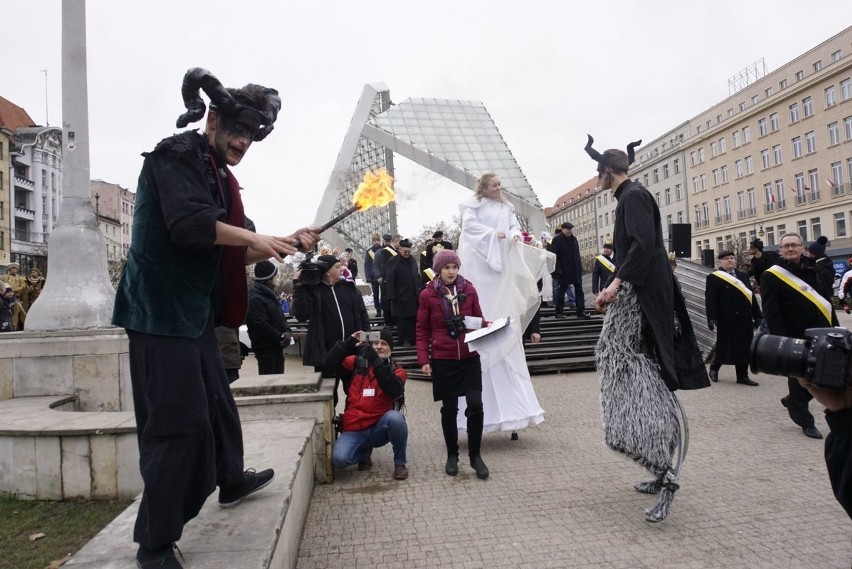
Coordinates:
[711,324]
[366,351]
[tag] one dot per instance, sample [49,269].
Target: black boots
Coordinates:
[479,466]
[452,467]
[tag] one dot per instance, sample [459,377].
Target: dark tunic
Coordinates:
[641,258]
[734,315]
[403,286]
[569,265]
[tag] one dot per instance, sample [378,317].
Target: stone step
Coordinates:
[262,532]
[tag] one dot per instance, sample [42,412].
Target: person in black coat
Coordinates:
[380,262]
[268,330]
[569,270]
[370,273]
[797,296]
[731,306]
[760,260]
[351,263]
[604,269]
[437,245]
[333,308]
[403,291]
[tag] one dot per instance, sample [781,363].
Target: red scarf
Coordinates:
[233,257]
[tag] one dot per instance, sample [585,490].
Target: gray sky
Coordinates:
[548,72]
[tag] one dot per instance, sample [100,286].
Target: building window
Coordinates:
[749,165]
[833,133]
[776,153]
[738,167]
[782,84]
[764,157]
[678,192]
[782,231]
[741,204]
[810,142]
[665,171]
[701,155]
[847,127]
[680,217]
[830,97]
[816,227]
[746,135]
[797,147]
[800,75]
[813,183]
[645,180]
[735,139]
[657,198]
[727,201]
[692,158]
[817,66]
[752,201]
[800,188]
[846,89]
[755,99]
[779,193]
[794,112]
[742,107]
[656,175]
[703,182]
[676,164]
[770,236]
[714,150]
[695,185]
[668,196]
[807,107]
[837,177]
[768,92]
[761,127]
[773,122]
[836,55]
[724,172]
[723,146]
[802,229]
[715,177]
[840,224]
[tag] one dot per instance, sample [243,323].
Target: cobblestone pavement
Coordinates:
[754,493]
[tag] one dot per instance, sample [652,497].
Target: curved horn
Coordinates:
[631,155]
[271,106]
[195,79]
[596,156]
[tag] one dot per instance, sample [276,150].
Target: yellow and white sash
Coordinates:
[429,273]
[391,250]
[735,282]
[606,263]
[804,289]
[372,254]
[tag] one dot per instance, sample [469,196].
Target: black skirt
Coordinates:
[454,378]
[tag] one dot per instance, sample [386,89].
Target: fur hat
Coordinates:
[405,243]
[438,234]
[387,237]
[445,257]
[757,244]
[264,270]
[723,254]
[13,265]
[817,248]
[387,335]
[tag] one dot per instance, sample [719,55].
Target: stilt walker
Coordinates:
[647,349]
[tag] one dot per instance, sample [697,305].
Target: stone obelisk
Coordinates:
[77,294]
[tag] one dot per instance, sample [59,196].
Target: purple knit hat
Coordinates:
[445,257]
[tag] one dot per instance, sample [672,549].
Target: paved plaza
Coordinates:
[754,493]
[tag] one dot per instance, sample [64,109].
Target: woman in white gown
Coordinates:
[496,262]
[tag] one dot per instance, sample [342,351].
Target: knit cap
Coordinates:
[445,257]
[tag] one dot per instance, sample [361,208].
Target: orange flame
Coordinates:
[375,190]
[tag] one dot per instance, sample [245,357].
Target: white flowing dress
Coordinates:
[500,270]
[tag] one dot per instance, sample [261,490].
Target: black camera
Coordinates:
[823,358]
[455,326]
[311,272]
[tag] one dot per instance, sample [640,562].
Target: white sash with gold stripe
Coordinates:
[804,289]
[735,282]
[606,263]
[391,250]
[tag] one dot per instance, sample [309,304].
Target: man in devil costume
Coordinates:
[185,274]
[647,347]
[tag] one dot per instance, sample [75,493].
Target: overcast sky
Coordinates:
[548,72]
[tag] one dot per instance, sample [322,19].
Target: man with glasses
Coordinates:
[796,296]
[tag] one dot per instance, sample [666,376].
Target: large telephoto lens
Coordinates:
[779,355]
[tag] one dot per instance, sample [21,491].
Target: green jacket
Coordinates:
[172,279]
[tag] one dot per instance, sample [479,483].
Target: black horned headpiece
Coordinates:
[262,100]
[612,158]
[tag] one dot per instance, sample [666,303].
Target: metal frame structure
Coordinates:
[455,139]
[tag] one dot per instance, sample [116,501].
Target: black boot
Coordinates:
[479,466]
[475,423]
[452,467]
[451,432]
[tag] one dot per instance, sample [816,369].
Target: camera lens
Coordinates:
[779,355]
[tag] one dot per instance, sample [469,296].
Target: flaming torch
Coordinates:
[374,190]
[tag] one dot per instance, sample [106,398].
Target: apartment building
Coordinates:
[776,157]
[114,208]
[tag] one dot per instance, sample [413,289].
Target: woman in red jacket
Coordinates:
[442,353]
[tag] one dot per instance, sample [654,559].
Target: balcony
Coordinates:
[28,236]
[752,211]
[838,190]
[701,223]
[801,199]
[741,214]
[24,184]
[23,213]
[814,196]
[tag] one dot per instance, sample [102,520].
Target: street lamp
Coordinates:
[759,224]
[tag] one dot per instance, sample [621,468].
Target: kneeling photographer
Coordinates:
[333,307]
[822,364]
